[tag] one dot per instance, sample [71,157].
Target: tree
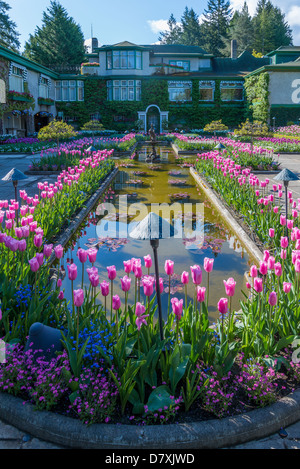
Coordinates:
[215,126]
[270,28]
[9,37]
[58,42]
[56,130]
[173,34]
[215,26]
[240,29]
[191,29]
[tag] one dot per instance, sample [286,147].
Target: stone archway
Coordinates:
[163,116]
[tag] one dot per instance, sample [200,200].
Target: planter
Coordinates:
[46,102]
[25,99]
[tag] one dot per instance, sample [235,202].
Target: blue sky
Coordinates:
[132,20]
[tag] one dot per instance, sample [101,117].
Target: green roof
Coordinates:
[30,64]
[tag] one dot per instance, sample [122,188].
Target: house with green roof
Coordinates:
[127,85]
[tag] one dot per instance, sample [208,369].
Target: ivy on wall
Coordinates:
[257,93]
[284,115]
[122,115]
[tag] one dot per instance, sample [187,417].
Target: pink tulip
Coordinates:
[141,317]
[127,266]
[271,262]
[272,298]
[34,265]
[263,268]
[282,220]
[48,250]
[59,251]
[82,255]
[94,279]
[161,285]
[116,302]
[125,282]
[40,257]
[208,264]
[185,278]
[148,285]
[258,285]
[286,287]
[223,306]
[169,267]
[229,286]
[290,224]
[61,295]
[283,254]
[177,306]
[78,297]
[297,265]
[111,271]
[22,245]
[266,255]
[201,294]
[284,242]
[104,288]
[278,269]
[253,271]
[196,274]
[72,271]
[92,255]
[148,261]
[59,282]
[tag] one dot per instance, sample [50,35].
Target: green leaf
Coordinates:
[159,398]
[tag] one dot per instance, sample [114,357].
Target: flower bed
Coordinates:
[116,355]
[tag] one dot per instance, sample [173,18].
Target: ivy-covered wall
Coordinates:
[122,115]
[285,115]
[257,93]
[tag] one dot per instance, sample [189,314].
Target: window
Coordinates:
[206,90]
[180,90]
[124,90]
[44,85]
[125,59]
[16,79]
[185,64]
[232,91]
[69,90]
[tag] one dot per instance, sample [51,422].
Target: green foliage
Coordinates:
[59,41]
[215,126]
[56,130]
[9,37]
[257,92]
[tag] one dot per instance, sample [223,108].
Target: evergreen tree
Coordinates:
[173,35]
[270,28]
[9,37]
[215,26]
[240,29]
[59,41]
[191,30]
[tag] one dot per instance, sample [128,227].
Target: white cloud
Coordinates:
[293,16]
[158,25]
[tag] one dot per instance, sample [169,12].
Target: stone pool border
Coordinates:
[228,217]
[209,434]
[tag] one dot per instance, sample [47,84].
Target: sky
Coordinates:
[136,21]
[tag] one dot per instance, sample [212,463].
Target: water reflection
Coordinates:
[127,202]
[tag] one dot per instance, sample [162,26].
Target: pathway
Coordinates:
[11,437]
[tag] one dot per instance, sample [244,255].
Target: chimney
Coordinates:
[94,44]
[233,49]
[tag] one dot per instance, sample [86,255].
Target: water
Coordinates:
[114,246]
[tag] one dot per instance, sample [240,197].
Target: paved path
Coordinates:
[12,438]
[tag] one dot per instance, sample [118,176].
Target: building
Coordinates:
[126,86]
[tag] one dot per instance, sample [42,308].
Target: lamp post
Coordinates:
[154,228]
[15,175]
[286,176]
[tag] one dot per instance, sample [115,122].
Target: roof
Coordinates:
[243,64]
[178,49]
[30,64]
[284,49]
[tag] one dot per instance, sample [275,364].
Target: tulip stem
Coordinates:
[111,298]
